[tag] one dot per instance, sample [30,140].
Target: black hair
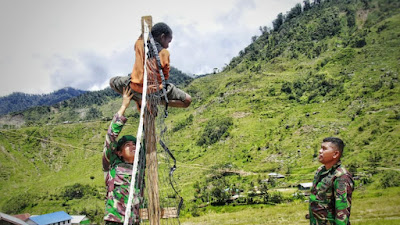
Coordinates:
[336,141]
[160,28]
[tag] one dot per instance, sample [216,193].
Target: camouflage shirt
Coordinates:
[118,176]
[330,198]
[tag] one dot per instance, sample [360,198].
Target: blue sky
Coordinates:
[47,45]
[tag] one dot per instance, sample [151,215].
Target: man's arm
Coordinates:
[138,66]
[164,60]
[343,188]
[114,130]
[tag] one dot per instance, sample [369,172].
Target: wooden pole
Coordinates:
[154,211]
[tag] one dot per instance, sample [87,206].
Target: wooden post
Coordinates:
[152,170]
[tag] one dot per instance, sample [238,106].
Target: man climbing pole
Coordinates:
[162,35]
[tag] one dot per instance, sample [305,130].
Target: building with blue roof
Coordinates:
[56,218]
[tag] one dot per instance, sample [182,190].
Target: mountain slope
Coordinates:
[179,78]
[90,105]
[20,101]
[283,97]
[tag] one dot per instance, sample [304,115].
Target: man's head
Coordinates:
[331,151]
[126,148]
[162,33]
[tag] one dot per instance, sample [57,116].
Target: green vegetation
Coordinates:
[384,206]
[188,121]
[215,129]
[20,101]
[66,105]
[328,70]
[179,78]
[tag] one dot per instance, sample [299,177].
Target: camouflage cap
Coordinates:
[124,139]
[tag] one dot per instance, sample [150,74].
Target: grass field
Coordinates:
[369,207]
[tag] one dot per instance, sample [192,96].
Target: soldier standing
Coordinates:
[330,198]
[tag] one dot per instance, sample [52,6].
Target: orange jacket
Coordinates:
[152,68]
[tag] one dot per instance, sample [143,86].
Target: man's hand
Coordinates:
[126,99]
[126,96]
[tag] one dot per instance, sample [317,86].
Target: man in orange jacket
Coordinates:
[162,35]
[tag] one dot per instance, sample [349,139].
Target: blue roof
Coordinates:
[51,218]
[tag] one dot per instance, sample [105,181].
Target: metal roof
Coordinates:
[306,185]
[277,175]
[77,218]
[11,219]
[51,218]
[23,217]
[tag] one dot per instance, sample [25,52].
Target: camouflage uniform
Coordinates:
[330,198]
[118,176]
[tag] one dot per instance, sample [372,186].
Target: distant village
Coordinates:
[55,218]
[63,218]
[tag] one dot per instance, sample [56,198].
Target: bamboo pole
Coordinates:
[154,210]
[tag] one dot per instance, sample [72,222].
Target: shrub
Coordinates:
[183,124]
[93,113]
[286,87]
[18,203]
[276,197]
[215,129]
[312,87]
[390,179]
[78,191]
[359,43]
[298,195]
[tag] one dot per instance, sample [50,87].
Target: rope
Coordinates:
[171,174]
[163,129]
[170,209]
[154,49]
[139,137]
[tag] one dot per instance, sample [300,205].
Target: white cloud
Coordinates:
[47,45]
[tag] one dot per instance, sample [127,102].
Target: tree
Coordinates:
[263,29]
[93,113]
[218,193]
[307,5]
[264,190]
[277,23]
[295,11]
[254,38]
[317,2]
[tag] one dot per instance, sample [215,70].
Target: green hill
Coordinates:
[19,101]
[88,106]
[330,69]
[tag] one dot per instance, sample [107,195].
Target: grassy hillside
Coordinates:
[281,113]
[266,112]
